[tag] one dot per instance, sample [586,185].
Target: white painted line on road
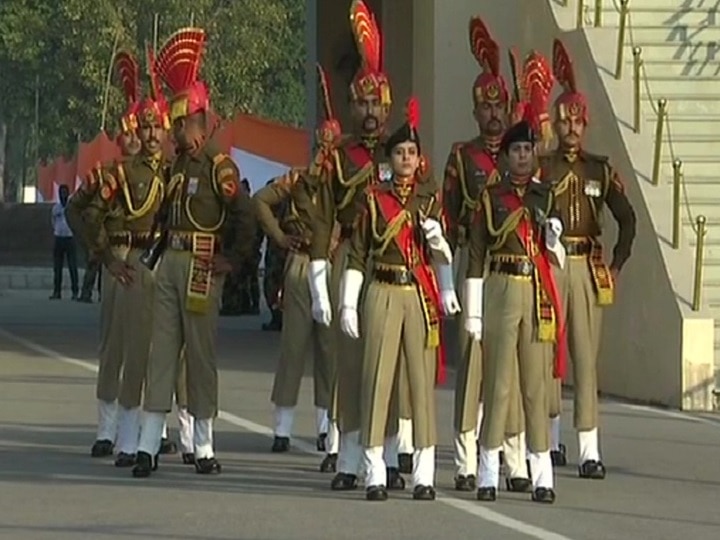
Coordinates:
[474,509]
[672,414]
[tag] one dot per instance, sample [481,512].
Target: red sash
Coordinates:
[358,154]
[482,160]
[540,258]
[390,208]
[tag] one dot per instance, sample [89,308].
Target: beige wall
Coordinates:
[654,348]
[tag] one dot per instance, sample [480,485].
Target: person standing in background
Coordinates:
[64,247]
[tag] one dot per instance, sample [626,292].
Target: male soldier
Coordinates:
[275,257]
[583,183]
[204,205]
[470,167]
[301,338]
[521,316]
[121,218]
[330,193]
[111,352]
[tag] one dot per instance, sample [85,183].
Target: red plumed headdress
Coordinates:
[154,108]
[489,86]
[571,102]
[535,87]
[128,72]
[370,78]
[408,132]
[178,64]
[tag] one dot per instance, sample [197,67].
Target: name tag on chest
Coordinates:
[192,186]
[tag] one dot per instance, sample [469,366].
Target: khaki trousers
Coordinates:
[469,375]
[302,339]
[584,322]
[174,326]
[126,326]
[110,354]
[510,341]
[394,329]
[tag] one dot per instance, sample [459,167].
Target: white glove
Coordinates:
[437,241]
[450,303]
[350,286]
[318,279]
[349,322]
[474,307]
[553,232]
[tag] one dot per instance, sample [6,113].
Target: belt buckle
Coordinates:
[525,268]
[176,242]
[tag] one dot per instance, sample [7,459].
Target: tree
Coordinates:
[62,49]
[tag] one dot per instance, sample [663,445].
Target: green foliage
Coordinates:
[255,63]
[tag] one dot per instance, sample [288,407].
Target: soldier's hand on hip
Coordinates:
[122,272]
[220,265]
[292,243]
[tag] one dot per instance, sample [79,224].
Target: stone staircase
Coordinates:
[680,42]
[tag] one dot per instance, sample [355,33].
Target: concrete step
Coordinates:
[672,33]
[711,274]
[684,125]
[648,15]
[694,49]
[682,101]
[687,69]
[697,165]
[687,147]
[693,87]
[649,5]
[20,277]
[698,187]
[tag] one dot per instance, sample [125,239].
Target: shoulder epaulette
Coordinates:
[219,158]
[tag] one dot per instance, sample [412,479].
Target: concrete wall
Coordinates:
[655,349]
[25,235]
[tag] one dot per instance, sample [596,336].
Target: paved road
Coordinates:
[663,481]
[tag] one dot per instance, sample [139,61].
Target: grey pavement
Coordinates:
[663,466]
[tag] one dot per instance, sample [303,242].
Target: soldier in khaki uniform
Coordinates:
[583,184]
[516,309]
[119,220]
[111,352]
[399,233]
[204,207]
[301,338]
[470,167]
[329,194]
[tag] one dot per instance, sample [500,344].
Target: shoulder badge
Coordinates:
[226,175]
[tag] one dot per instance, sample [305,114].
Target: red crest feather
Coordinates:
[563,68]
[129,73]
[180,57]
[483,47]
[367,36]
[412,113]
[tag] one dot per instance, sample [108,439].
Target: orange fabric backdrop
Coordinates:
[270,140]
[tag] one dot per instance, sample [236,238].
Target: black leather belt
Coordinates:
[513,268]
[578,248]
[394,276]
[131,240]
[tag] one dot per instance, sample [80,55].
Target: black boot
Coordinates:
[207,466]
[102,448]
[280,444]
[395,481]
[329,463]
[145,464]
[344,482]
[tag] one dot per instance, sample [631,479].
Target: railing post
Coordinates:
[699,259]
[621,38]
[598,13]
[580,13]
[659,127]
[637,75]
[677,179]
